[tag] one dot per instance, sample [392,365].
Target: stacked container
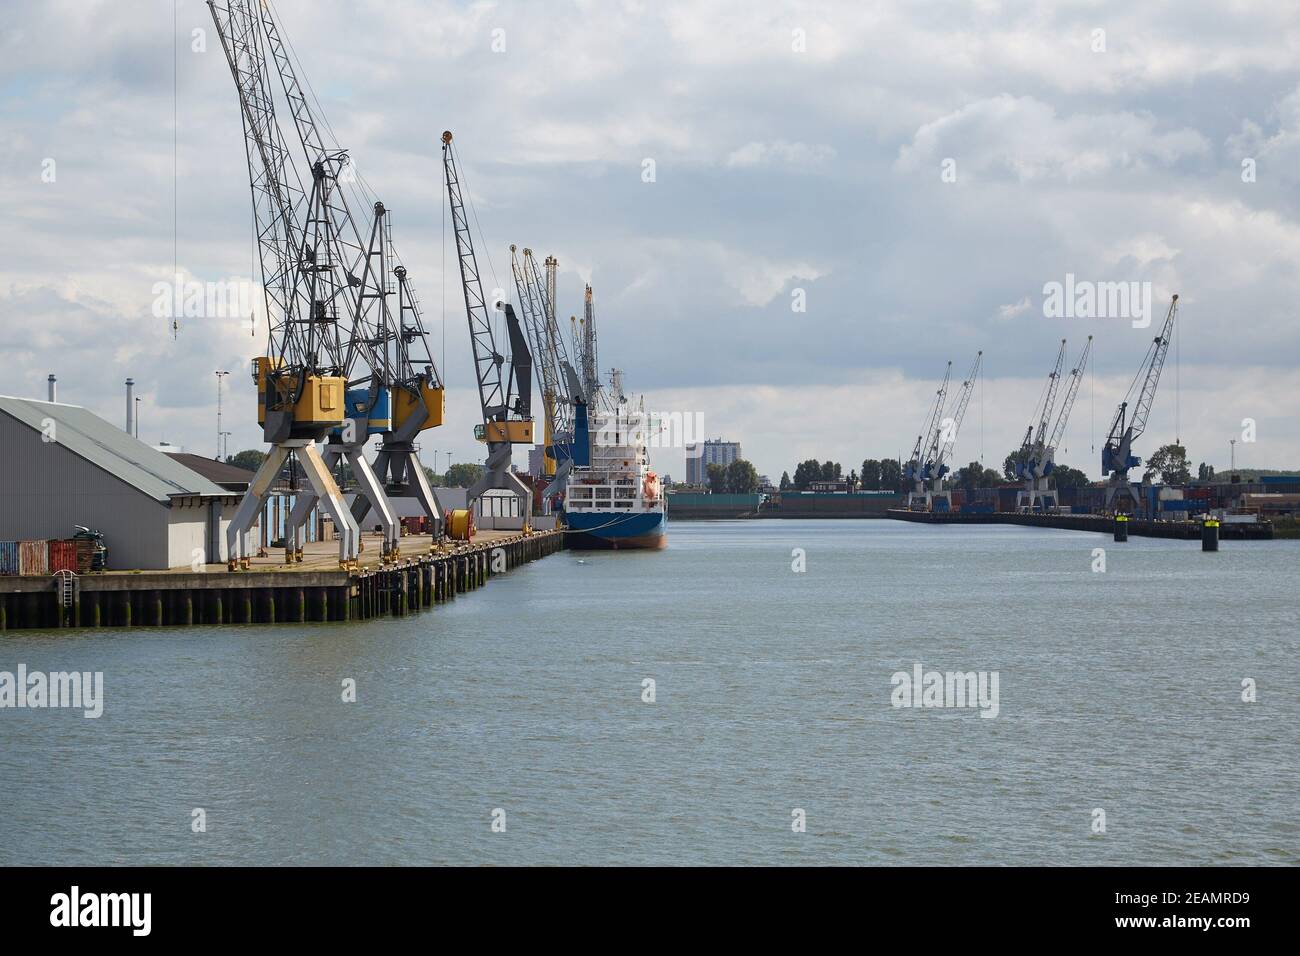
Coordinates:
[9,557]
[33,557]
[63,557]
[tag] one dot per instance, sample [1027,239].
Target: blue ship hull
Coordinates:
[615,530]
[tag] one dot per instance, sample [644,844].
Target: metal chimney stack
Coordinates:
[130,406]
[54,388]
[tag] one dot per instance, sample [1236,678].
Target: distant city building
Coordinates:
[712,452]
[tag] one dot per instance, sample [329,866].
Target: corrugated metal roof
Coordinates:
[110,448]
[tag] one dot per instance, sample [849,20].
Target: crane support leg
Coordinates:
[323,486]
[419,488]
[250,506]
[371,497]
[370,492]
[295,525]
[1116,490]
[400,472]
[557,482]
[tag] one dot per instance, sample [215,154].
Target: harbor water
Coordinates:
[519,725]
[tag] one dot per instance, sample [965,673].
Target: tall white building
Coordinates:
[711,452]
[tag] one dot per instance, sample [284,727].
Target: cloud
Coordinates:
[780,153]
[776,170]
[1014,309]
[1025,138]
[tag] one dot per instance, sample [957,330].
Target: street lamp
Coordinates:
[220,377]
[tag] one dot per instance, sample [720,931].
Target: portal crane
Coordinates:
[533,318]
[303,376]
[936,497]
[396,390]
[551,354]
[1036,433]
[401,392]
[1039,463]
[1117,455]
[925,441]
[505,400]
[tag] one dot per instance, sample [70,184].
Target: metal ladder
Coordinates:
[67,585]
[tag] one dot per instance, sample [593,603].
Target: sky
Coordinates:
[845,197]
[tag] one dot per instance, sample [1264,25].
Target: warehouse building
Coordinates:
[63,466]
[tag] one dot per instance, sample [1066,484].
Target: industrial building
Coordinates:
[65,466]
[230,477]
[714,451]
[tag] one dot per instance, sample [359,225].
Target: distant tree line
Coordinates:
[738,478]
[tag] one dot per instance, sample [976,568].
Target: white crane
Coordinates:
[1040,458]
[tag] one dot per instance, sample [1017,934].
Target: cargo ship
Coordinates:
[615,501]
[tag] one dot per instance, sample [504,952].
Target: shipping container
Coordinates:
[63,557]
[33,557]
[9,557]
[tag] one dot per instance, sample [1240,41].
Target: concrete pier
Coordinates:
[272,591]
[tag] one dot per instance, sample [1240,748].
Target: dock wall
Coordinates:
[1102,524]
[172,599]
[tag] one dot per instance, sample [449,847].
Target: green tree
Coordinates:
[806,472]
[462,475]
[830,470]
[250,459]
[741,478]
[1170,463]
[1067,477]
[717,479]
[435,479]
[786,483]
[891,475]
[975,475]
[870,475]
[1204,472]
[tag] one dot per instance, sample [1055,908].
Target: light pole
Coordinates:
[137,417]
[224,450]
[1232,442]
[220,377]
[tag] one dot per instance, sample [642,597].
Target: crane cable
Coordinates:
[1178,388]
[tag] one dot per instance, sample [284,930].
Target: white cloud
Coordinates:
[1014,309]
[1025,138]
[781,153]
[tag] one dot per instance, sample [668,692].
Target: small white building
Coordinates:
[62,466]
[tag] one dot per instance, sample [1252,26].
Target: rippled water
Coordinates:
[1118,690]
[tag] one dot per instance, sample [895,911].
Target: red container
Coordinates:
[63,556]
